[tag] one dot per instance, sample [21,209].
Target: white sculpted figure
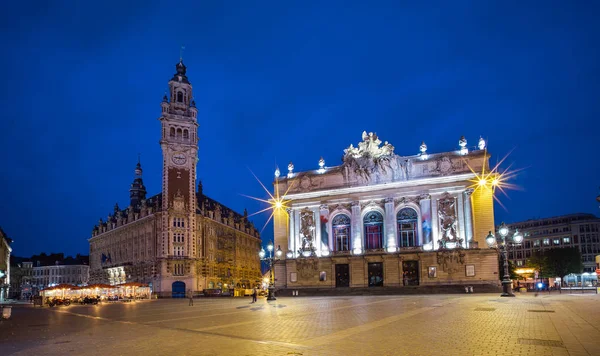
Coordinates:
[369,160]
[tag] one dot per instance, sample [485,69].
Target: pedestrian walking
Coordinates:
[191,303]
[254,295]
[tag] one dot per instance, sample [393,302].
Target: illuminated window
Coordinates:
[566,240]
[407,227]
[373,223]
[546,242]
[341,232]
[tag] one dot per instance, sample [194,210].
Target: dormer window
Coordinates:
[179,97]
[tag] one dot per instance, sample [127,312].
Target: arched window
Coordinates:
[179,97]
[341,232]
[373,222]
[172,132]
[179,133]
[407,227]
[186,134]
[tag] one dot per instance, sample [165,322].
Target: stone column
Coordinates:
[390,225]
[356,226]
[435,230]
[317,233]
[291,226]
[325,236]
[296,238]
[461,220]
[426,220]
[468,217]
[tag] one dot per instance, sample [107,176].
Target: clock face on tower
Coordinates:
[179,158]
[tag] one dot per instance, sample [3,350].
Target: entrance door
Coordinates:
[342,276]
[178,289]
[410,274]
[375,274]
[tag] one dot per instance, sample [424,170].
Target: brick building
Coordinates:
[5,251]
[179,240]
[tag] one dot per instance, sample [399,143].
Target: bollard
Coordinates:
[471,289]
[466,289]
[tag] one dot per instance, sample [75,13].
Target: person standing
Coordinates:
[191,303]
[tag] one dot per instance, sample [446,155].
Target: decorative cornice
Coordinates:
[378,187]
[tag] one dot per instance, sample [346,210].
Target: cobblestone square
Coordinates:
[484,324]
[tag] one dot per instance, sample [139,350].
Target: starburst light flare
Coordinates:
[277,202]
[495,178]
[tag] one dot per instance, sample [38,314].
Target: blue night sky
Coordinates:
[82,84]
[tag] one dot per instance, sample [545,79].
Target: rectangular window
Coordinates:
[519,263]
[536,243]
[556,242]
[566,240]
[546,242]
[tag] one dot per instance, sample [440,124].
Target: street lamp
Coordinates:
[271,260]
[501,243]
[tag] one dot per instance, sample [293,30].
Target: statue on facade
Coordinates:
[447,218]
[370,162]
[307,228]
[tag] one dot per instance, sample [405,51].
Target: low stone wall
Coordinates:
[439,289]
[436,269]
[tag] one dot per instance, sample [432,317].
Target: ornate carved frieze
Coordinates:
[406,200]
[451,261]
[338,207]
[371,204]
[445,165]
[307,267]
[306,183]
[178,202]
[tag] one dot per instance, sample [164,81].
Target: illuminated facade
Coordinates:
[5,251]
[180,240]
[380,219]
[581,231]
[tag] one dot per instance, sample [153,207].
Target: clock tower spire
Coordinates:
[179,143]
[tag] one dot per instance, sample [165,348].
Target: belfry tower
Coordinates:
[137,191]
[177,248]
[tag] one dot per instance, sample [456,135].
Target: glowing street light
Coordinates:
[271,260]
[501,243]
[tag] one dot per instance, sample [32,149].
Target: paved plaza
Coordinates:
[484,324]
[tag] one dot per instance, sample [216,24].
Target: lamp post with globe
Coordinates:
[271,260]
[501,244]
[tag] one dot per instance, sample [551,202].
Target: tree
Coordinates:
[563,261]
[539,262]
